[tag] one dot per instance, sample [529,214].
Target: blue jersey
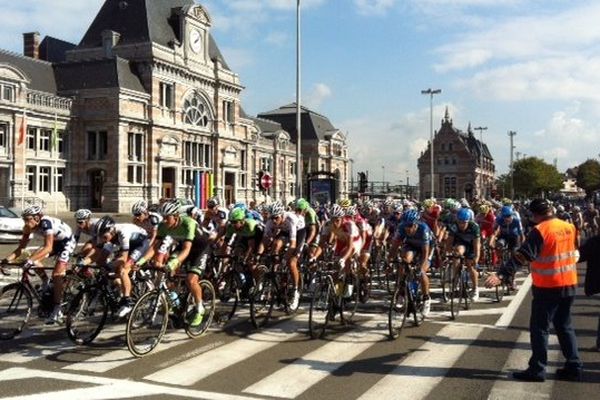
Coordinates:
[422,237]
[512,229]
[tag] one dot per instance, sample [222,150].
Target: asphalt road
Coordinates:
[470,358]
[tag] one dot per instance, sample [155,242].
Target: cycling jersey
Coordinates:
[486,223]
[250,229]
[464,237]
[184,231]
[422,237]
[347,234]
[366,228]
[288,227]
[91,231]
[511,229]
[310,217]
[130,238]
[151,223]
[64,243]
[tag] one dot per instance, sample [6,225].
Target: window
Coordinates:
[197,154]
[293,168]
[31,137]
[450,186]
[3,134]
[97,145]
[446,162]
[30,175]
[453,161]
[450,146]
[44,143]
[8,92]
[135,174]
[243,161]
[228,112]
[266,164]
[196,111]
[443,146]
[44,179]
[59,179]
[60,142]
[135,146]
[166,95]
[292,189]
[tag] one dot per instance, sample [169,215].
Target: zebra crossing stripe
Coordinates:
[294,379]
[31,353]
[506,318]
[197,368]
[518,360]
[425,368]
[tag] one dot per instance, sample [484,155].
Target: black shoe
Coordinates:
[569,374]
[528,376]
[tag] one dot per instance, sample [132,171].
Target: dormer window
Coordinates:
[7,92]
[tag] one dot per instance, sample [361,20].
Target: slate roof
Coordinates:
[54,50]
[97,74]
[268,128]
[141,21]
[314,126]
[473,145]
[39,72]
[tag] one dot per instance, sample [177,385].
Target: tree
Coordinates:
[503,185]
[533,177]
[588,176]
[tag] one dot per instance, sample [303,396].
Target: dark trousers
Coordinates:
[546,308]
[598,335]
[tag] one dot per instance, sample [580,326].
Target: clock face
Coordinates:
[195,40]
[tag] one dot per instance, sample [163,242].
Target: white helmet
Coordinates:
[213,202]
[82,213]
[337,211]
[170,208]
[32,210]
[139,207]
[276,209]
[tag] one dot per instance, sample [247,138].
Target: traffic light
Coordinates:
[258,180]
[362,182]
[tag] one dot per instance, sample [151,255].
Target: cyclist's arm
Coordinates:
[425,256]
[22,245]
[43,251]
[186,247]
[477,248]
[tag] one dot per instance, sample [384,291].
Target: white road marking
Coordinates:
[506,318]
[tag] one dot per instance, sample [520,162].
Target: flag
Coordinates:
[23,130]
[54,139]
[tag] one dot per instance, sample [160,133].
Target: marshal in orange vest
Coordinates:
[556,265]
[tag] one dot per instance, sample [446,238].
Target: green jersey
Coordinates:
[310,217]
[186,230]
[249,230]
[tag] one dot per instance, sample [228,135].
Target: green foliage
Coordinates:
[588,176]
[533,176]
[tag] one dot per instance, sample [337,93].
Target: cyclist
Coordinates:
[311,221]
[179,238]
[86,225]
[146,219]
[464,237]
[215,217]
[347,236]
[284,226]
[416,239]
[58,240]
[590,219]
[508,229]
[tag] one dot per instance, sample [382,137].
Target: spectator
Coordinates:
[590,252]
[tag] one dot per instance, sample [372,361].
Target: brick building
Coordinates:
[142,107]
[463,165]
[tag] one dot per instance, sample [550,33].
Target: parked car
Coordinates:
[11,226]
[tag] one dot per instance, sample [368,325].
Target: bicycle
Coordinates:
[334,293]
[460,289]
[172,302]
[407,299]
[16,299]
[88,312]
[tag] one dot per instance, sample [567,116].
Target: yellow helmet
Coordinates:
[344,203]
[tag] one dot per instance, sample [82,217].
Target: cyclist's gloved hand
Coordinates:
[4,261]
[28,264]
[172,264]
[342,262]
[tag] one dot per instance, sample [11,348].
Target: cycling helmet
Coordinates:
[463,214]
[213,202]
[560,208]
[32,210]
[237,214]
[170,207]
[435,211]
[276,209]
[345,203]
[484,209]
[464,203]
[337,211]
[428,203]
[104,225]
[410,217]
[449,204]
[506,201]
[506,211]
[576,208]
[351,211]
[82,213]
[139,207]
[301,204]
[540,206]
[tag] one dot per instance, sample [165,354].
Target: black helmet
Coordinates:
[540,206]
[104,225]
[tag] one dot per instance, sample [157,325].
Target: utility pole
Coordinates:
[512,134]
[431,92]
[298,107]
[481,183]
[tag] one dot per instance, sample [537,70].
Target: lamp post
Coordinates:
[481,184]
[383,178]
[431,92]
[298,108]
[512,134]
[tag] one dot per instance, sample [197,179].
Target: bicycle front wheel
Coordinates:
[455,295]
[349,301]
[15,309]
[321,306]
[86,315]
[147,323]
[208,300]
[398,311]
[262,297]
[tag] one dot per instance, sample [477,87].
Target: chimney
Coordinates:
[109,40]
[31,44]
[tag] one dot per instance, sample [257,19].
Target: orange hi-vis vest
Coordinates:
[556,265]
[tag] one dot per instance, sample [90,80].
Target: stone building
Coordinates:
[463,165]
[142,106]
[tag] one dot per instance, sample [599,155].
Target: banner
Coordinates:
[23,130]
[54,139]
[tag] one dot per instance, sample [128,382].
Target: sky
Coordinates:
[529,66]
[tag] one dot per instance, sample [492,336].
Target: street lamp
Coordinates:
[481,184]
[431,92]
[383,178]
[298,108]
[512,134]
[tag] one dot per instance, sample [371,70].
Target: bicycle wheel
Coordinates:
[416,302]
[390,280]
[15,309]
[465,289]
[73,284]
[398,311]
[262,298]
[444,282]
[147,323]
[455,295]
[226,298]
[208,299]
[349,301]
[86,315]
[321,306]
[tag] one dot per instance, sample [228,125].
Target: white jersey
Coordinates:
[91,232]
[150,225]
[128,236]
[289,225]
[53,226]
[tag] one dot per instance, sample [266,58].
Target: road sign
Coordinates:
[266,181]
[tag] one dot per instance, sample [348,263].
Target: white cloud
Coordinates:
[319,93]
[374,7]
[277,38]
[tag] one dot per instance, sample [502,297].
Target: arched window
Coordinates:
[196,111]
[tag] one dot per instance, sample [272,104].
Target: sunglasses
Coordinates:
[28,218]
[137,214]
[81,221]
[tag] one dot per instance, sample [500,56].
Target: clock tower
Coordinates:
[196,25]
